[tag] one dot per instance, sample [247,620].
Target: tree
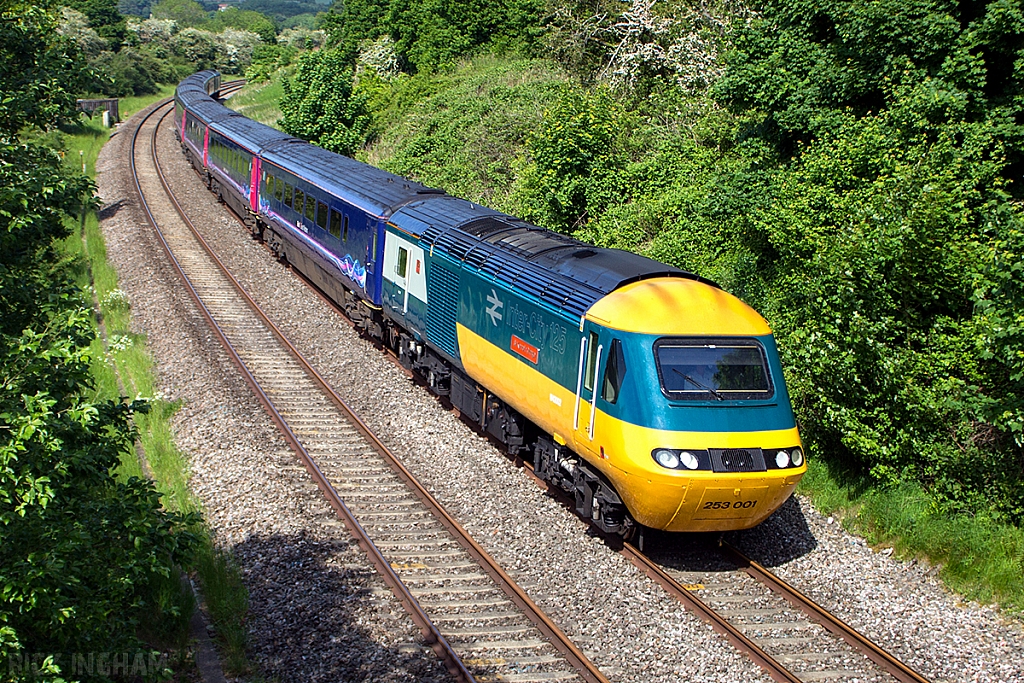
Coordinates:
[882,211]
[81,549]
[187,13]
[246,20]
[104,17]
[319,104]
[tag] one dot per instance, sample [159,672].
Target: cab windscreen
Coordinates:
[713,369]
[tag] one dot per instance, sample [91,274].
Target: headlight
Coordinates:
[782,459]
[689,460]
[797,457]
[666,458]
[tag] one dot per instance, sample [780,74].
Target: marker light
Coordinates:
[689,460]
[798,457]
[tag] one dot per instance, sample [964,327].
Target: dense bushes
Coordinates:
[84,552]
[863,198]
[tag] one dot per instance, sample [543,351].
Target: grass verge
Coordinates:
[260,101]
[977,556]
[124,357]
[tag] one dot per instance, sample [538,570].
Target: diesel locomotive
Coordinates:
[648,393]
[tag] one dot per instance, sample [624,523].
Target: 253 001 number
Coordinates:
[726,504]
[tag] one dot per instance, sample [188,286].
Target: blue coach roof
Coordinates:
[210,111]
[372,189]
[251,135]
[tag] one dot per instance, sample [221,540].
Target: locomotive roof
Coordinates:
[566,273]
[370,188]
[252,135]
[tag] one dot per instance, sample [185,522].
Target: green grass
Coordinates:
[978,557]
[464,131]
[123,356]
[260,101]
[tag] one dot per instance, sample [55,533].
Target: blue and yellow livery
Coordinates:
[651,395]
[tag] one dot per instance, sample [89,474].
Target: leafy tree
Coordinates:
[281,10]
[135,8]
[81,550]
[319,104]
[809,61]
[104,18]
[881,210]
[349,23]
[196,47]
[577,160]
[187,13]
[246,20]
[434,34]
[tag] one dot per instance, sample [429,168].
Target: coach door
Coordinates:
[404,278]
[585,409]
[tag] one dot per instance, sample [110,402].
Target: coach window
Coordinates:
[287,199]
[344,234]
[278,188]
[591,371]
[321,215]
[335,223]
[297,204]
[614,373]
[310,208]
[269,185]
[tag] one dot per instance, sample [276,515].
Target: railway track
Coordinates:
[794,639]
[482,625]
[479,622]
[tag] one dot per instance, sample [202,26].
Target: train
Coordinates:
[651,396]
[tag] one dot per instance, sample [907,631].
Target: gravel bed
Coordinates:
[619,617]
[898,604]
[318,610]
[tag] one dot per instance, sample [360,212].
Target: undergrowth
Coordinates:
[122,366]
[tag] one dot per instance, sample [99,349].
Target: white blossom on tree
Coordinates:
[380,56]
[75,25]
[684,47]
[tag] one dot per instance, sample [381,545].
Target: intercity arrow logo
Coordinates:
[496,304]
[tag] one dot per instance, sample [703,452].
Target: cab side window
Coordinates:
[403,262]
[590,373]
[614,373]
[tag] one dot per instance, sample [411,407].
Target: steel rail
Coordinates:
[718,622]
[823,617]
[534,613]
[432,636]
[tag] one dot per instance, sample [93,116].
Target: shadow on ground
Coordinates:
[781,538]
[316,613]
